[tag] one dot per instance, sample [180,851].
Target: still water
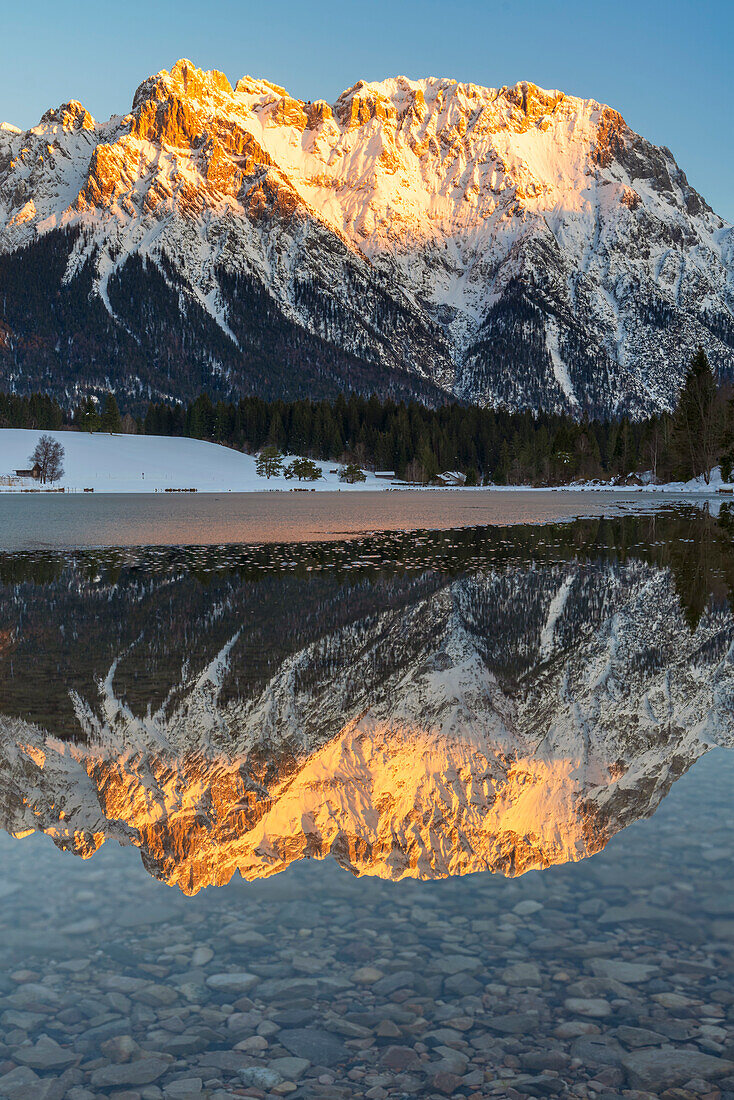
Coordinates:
[431,814]
[30,520]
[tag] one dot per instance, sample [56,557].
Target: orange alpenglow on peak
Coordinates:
[509,246]
[70,116]
[403,756]
[185,79]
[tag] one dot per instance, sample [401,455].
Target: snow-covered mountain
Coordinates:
[506,721]
[508,246]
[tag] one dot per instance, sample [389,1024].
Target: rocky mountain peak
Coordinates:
[515,246]
[361,103]
[69,116]
[184,80]
[534,101]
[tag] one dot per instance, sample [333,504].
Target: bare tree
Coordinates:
[415,473]
[48,456]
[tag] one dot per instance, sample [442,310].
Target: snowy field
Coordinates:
[151,464]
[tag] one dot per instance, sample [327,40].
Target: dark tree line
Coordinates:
[35,411]
[488,445]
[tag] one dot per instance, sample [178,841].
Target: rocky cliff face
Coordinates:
[507,246]
[503,722]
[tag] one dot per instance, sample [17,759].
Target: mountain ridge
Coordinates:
[511,247]
[421,741]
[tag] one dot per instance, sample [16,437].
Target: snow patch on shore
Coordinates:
[110,463]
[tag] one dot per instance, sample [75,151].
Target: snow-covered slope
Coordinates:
[505,722]
[108,463]
[509,246]
[150,463]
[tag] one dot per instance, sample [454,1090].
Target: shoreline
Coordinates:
[75,521]
[673,489]
[103,464]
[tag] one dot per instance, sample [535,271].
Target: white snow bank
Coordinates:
[695,485]
[153,463]
[150,463]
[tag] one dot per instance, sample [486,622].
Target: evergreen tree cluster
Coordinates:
[34,411]
[56,330]
[38,410]
[488,445]
[418,442]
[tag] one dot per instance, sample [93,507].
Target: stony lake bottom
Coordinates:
[444,813]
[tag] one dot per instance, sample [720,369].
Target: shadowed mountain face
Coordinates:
[506,246]
[509,712]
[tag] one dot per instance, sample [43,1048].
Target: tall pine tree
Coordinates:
[111,419]
[697,422]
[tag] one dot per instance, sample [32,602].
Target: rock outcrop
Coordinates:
[512,247]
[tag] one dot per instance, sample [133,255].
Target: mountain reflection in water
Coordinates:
[412,706]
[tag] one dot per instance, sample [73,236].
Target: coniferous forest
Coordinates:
[490,446]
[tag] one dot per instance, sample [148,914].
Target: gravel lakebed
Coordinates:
[603,979]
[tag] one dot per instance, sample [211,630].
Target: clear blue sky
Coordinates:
[666,65]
